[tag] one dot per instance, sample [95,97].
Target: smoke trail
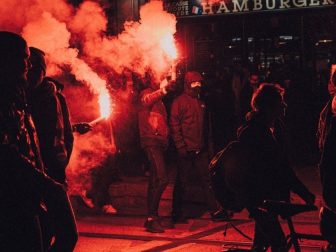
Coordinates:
[89,151]
[138,47]
[75,40]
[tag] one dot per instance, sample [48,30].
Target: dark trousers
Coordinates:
[267,231]
[59,222]
[158,179]
[187,164]
[19,231]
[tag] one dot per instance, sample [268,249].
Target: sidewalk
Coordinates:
[125,232]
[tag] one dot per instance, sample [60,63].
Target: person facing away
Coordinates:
[153,128]
[23,181]
[269,175]
[327,144]
[189,124]
[56,148]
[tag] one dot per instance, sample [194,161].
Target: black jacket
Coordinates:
[327,143]
[269,175]
[22,179]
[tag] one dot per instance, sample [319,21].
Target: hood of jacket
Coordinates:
[190,77]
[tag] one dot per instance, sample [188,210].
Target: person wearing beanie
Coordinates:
[52,122]
[189,125]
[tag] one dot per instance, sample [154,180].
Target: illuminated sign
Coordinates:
[220,7]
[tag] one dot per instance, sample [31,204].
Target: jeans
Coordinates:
[199,162]
[158,179]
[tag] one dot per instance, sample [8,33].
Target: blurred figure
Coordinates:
[327,144]
[246,94]
[269,175]
[23,181]
[189,123]
[221,105]
[153,129]
[55,135]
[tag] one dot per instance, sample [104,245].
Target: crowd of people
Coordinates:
[36,138]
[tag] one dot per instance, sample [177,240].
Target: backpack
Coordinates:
[228,170]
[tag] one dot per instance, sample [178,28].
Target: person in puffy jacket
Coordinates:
[269,175]
[153,128]
[23,184]
[189,124]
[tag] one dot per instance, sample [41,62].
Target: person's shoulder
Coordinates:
[48,88]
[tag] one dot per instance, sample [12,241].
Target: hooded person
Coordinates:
[189,125]
[56,148]
[153,129]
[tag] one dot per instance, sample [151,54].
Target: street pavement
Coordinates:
[112,233]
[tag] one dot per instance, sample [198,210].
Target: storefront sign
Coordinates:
[215,7]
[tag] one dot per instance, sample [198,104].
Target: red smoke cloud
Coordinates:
[53,25]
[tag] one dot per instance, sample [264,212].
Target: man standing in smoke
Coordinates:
[23,182]
[189,125]
[153,129]
[327,143]
[55,135]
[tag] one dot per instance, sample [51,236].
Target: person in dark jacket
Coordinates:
[153,129]
[56,147]
[269,175]
[327,143]
[23,181]
[189,124]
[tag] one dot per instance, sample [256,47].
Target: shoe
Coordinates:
[109,209]
[167,223]
[88,202]
[221,215]
[153,226]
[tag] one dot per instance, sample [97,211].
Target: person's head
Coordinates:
[193,83]
[38,69]
[254,80]
[268,100]
[14,57]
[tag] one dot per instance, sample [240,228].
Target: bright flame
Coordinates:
[104,104]
[168,45]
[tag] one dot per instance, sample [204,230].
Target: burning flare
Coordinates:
[168,46]
[104,105]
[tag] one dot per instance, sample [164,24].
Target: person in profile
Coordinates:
[23,182]
[269,175]
[54,131]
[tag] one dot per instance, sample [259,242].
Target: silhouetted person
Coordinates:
[189,124]
[55,135]
[269,175]
[327,144]
[23,182]
[153,129]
